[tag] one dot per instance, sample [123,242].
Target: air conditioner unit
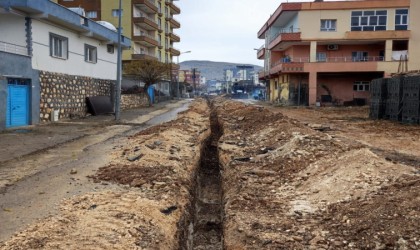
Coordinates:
[332,47]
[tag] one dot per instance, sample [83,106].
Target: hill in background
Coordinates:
[212,70]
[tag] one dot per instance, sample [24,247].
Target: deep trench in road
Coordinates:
[205,229]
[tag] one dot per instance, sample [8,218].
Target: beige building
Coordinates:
[316,50]
[150,24]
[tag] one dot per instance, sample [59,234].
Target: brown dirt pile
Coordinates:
[288,186]
[154,171]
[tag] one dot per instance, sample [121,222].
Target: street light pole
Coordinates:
[177,77]
[118,94]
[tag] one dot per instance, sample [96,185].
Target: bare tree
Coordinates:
[149,72]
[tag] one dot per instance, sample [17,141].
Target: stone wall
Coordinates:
[67,93]
[130,101]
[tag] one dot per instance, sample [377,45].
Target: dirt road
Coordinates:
[230,175]
[31,186]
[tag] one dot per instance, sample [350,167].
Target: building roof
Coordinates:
[55,13]
[291,8]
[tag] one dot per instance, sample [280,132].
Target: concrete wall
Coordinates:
[126,23]
[17,66]
[12,29]
[414,45]
[75,64]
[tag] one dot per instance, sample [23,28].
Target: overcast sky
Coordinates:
[223,30]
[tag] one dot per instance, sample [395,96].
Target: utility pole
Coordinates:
[177,77]
[119,69]
[193,76]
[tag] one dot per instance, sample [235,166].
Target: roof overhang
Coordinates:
[57,14]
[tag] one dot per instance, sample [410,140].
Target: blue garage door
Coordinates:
[17,113]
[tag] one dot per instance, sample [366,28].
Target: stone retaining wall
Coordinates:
[67,93]
[129,101]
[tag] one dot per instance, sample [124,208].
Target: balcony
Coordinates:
[287,67]
[142,55]
[145,40]
[147,6]
[174,23]
[145,22]
[174,37]
[175,66]
[13,48]
[175,10]
[382,35]
[261,52]
[173,51]
[284,35]
[262,75]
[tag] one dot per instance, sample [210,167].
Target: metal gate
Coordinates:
[17,113]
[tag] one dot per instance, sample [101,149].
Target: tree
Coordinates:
[147,71]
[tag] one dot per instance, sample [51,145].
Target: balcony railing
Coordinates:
[138,55]
[261,52]
[151,5]
[13,48]
[145,16]
[145,22]
[174,37]
[283,31]
[146,39]
[329,59]
[352,59]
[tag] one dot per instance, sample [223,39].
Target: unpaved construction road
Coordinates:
[229,175]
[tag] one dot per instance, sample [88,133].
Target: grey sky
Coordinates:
[223,30]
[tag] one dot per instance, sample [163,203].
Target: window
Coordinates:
[369,20]
[401,19]
[361,86]
[160,55]
[328,25]
[58,46]
[359,56]
[91,14]
[321,57]
[90,54]
[115,12]
[110,48]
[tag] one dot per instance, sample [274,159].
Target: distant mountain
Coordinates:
[212,70]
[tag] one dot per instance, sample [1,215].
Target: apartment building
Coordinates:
[330,51]
[150,25]
[51,60]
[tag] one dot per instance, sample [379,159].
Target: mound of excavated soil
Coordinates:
[288,186]
[148,209]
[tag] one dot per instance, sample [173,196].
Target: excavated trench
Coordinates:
[204,229]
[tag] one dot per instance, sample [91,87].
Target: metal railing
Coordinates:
[145,34]
[283,31]
[143,53]
[153,2]
[140,14]
[352,59]
[13,48]
[329,59]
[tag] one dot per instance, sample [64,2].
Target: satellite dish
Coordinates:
[107,25]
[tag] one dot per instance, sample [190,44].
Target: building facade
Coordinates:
[150,24]
[51,60]
[330,51]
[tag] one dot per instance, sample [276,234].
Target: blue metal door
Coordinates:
[17,113]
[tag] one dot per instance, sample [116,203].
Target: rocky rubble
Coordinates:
[288,185]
